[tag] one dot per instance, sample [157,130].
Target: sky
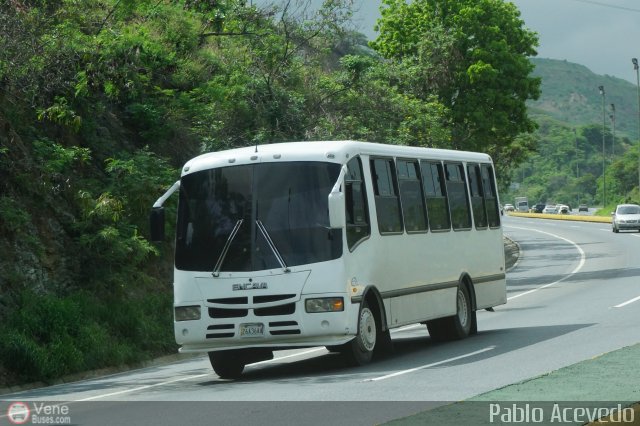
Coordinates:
[602,35]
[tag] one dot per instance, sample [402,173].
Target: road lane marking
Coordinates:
[197,376]
[406,327]
[576,269]
[422,367]
[635,235]
[105,395]
[289,356]
[635,299]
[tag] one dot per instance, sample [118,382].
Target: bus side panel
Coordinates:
[423,306]
[426,267]
[489,294]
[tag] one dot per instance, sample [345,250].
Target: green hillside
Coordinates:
[570,94]
[567,165]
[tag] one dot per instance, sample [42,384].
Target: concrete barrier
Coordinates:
[575,218]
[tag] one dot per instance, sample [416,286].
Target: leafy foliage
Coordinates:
[481,49]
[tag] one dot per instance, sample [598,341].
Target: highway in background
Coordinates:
[574,294]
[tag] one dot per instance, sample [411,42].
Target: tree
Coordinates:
[476,54]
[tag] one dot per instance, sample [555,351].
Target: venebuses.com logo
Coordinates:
[19,413]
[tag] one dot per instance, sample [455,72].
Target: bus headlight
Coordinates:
[325,304]
[187,313]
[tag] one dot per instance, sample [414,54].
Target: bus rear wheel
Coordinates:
[359,351]
[457,326]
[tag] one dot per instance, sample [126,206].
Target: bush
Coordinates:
[12,217]
[47,337]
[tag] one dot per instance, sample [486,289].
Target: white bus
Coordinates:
[330,244]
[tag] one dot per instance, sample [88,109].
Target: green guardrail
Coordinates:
[573,217]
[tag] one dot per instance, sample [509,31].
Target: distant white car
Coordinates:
[509,208]
[562,209]
[626,216]
[549,209]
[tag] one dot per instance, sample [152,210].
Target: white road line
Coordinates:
[577,268]
[422,367]
[289,356]
[406,327]
[105,395]
[635,299]
[635,235]
[197,376]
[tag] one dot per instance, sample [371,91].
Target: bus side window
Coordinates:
[414,211]
[477,196]
[358,227]
[458,199]
[436,196]
[490,196]
[386,196]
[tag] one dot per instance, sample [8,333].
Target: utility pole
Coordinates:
[575,137]
[612,116]
[635,67]
[604,158]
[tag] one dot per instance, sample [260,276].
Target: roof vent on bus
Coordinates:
[331,155]
[232,160]
[277,156]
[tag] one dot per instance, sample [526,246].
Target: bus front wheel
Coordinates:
[359,351]
[226,364]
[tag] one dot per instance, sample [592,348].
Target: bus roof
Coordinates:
[330,151]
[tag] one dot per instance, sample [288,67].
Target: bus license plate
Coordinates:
[251,330]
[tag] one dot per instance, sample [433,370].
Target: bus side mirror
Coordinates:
[337,218]
[156,224]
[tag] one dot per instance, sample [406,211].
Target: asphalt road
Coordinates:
[574,294]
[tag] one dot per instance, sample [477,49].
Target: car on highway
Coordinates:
[583,208]
[626,217]
[549,209]
[509,208]
[538,208]
[562,209]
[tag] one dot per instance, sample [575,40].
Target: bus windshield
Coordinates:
[243,207]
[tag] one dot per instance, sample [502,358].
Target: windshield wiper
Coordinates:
[225,249]
[272,246]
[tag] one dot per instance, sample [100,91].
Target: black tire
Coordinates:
[616,230]
[226,364]
[458,326]
[359,351]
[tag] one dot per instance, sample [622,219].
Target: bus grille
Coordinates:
[220,331]
[287,309]
[241,306]
[256,299]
